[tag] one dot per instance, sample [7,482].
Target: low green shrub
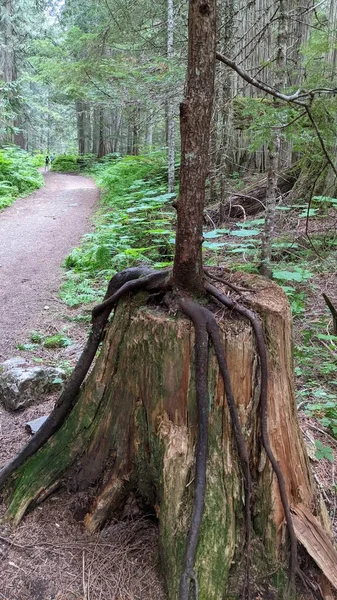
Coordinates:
[108,158]
[18,175]
[86,161]
[65,163]
[38,159]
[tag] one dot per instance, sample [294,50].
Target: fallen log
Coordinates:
[249,201]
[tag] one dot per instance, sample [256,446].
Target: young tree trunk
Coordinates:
[195,121]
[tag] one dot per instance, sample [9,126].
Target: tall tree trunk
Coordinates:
[135,129]
[117,130]
[129,137]
[96,130]
[274,148]
[101,139]
[195,120]
[224,158]
[80,126]
[8,72]
[170,101]
[87,129]
[149,131]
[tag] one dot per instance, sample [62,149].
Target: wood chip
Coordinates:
[316,541]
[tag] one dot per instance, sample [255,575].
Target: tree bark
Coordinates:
[274,147]
[80,126]
[133,431]
[195,120]
[170,101]
[101,138]
[8,73]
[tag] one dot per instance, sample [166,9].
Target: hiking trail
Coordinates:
[36,234]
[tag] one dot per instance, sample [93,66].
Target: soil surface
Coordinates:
[50,556]
[36,234]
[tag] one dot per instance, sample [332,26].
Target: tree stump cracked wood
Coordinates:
[134,427]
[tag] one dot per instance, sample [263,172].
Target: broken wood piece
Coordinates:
[316,541]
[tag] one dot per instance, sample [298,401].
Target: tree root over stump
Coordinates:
[87,441]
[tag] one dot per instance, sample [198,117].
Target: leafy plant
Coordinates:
[65,163]
[297,273]
[25,347]
[323,451]
[326,412]
[134,224]
[18,175]
[36,337]
[59,340]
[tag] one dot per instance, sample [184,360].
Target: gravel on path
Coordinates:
[36,234]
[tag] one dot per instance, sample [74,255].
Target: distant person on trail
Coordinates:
[52,158]
[46,163]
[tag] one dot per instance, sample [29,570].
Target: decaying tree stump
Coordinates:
[133,431]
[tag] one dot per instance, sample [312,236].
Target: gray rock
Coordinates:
[22,384]
[34,426]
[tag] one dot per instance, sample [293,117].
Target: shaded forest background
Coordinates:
[107,76]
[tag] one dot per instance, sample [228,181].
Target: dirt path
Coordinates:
[36,234]
[49,556]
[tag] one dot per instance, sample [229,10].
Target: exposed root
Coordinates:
[225,300]
[205,323]
[199,318]
[68,397]
[235,288]
[153,281]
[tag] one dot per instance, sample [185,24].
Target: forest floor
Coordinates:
[50,556]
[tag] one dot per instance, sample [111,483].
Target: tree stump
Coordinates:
[133,431]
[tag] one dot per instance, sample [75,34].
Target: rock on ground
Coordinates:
[22,384]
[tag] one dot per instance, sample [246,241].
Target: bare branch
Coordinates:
[320,139]
[296,98]
[256,83]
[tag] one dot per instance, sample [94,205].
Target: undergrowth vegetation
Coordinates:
[71,163]
[18,174]
[135,225]
[64,163]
